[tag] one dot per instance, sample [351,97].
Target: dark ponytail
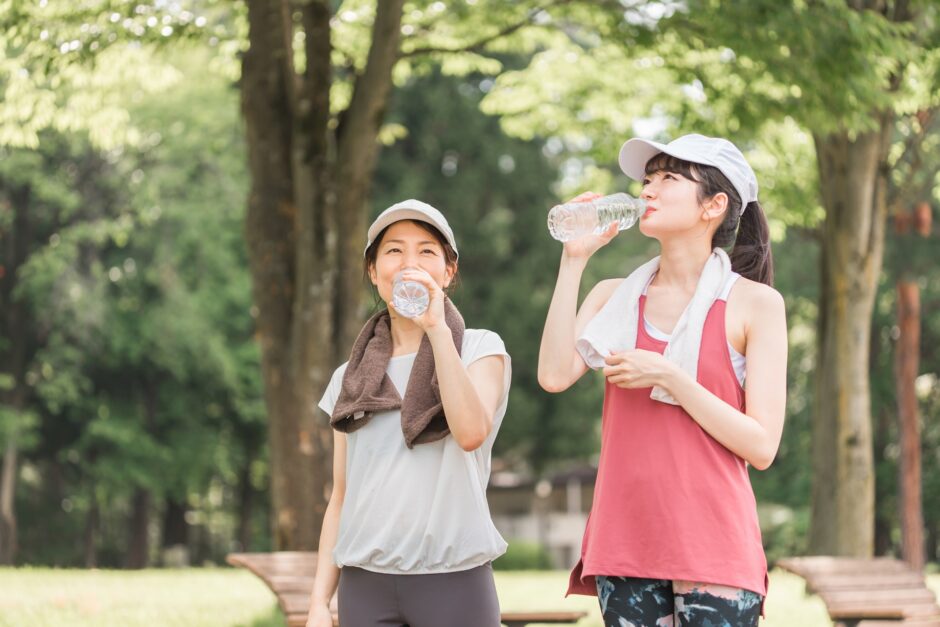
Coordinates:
[751,256]
[747,230]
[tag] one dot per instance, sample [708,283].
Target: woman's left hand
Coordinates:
[433,317]
[638,369]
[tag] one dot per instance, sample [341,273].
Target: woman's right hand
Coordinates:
[320,616]
[586,245]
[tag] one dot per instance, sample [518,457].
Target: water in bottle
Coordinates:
[409,298]
[574,219]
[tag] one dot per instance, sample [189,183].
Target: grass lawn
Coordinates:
[38,597]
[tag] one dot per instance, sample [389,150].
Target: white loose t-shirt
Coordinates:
[421,510]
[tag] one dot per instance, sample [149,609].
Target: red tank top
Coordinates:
[670,502]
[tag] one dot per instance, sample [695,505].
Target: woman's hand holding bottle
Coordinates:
[433,315]
[586,245]
[409,298]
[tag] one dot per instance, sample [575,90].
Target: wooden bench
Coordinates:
[877,592]
[289,574]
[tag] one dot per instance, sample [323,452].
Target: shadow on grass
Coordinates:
[273,618]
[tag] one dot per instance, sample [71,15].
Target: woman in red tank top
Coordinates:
[673,538]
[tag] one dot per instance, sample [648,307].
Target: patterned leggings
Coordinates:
[636,602]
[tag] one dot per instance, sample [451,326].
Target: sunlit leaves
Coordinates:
[74,66]
[764,73]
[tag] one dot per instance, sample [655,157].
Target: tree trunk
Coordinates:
[92,526]
[200,541]
[246,507]
[175,527]
[14,356]
[883,522]
[138,537]
[907,364]
[304,230]
[852,174]
[175,540]
[884,490]
[7,514]
[933,542]
[138,545]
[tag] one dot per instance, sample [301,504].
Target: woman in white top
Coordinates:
[407,536]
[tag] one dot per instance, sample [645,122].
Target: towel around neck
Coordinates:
[613,329]
[367,389]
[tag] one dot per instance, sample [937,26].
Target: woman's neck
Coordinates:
[681,265]
[406,335]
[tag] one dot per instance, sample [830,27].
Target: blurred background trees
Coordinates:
[176,221]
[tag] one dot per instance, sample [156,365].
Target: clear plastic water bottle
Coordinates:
[572,220]
[409,298]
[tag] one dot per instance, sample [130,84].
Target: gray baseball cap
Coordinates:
[411,209]
[713,151]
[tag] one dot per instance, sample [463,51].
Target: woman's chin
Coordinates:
[646,228]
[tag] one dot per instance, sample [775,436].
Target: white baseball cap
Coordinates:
[713,151]
[411,209]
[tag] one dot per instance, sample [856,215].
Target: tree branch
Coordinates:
[902,12]
[311,161]
[287,53]
[371,88]
[483,42]
[913,151]
[356,153]
[315,17]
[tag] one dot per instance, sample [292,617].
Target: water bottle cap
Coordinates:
[713,151]
[411,209]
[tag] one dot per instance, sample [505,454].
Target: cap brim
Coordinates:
[396,216]
[404,213]
[634,155]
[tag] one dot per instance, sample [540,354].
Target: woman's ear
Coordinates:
[449,273]
[372,275]
[715,207]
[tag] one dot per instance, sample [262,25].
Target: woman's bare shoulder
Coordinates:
[755,300]
[601,293]
[606,287]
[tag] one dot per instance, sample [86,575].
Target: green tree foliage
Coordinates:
[71,67]
[143,387]
[146,377]
[755,71]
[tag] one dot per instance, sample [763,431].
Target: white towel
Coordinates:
[613,329]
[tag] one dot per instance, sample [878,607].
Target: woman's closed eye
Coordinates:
[662,175]
[395,250]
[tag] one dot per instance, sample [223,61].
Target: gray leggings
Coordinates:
[466,598]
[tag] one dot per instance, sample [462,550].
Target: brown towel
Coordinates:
[367,388]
